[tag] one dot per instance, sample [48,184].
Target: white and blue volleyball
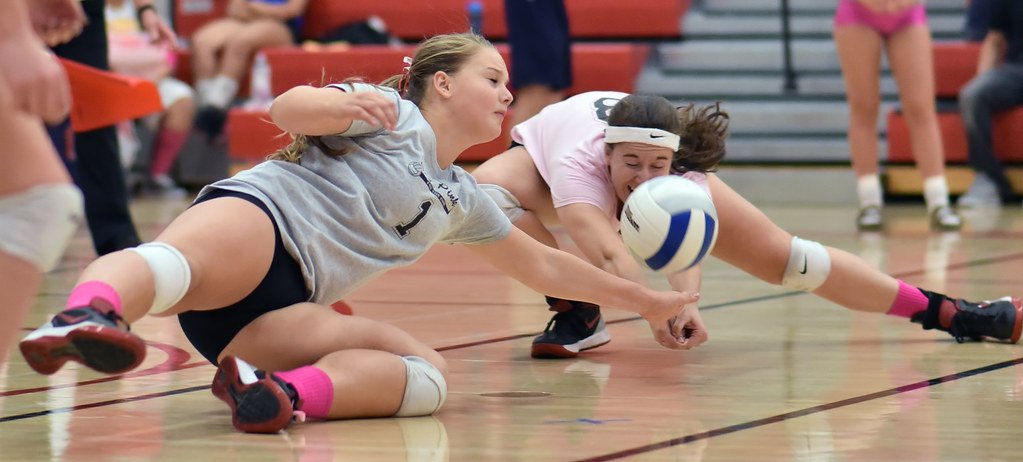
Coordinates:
[669,223]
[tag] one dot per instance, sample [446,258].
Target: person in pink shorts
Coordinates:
[862,28]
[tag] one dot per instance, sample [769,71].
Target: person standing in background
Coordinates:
[94,160]
[541,54]
[978,17]
[132,54]
[861,29]
[997,87]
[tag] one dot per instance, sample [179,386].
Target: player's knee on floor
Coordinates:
[808,266]
[425,388]
[38,223]
[504,199]
[171,274]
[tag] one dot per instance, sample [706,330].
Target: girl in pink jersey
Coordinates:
[861,29]
[580,159]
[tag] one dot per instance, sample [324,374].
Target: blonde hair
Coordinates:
[441,53]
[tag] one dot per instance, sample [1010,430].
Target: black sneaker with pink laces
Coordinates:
[1000,319]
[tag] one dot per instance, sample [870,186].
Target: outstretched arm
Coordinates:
[560,274]
[600,242]
[322,111]
[688,323]
[992,51]
[602,245]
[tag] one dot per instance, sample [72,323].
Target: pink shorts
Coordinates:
[852,13]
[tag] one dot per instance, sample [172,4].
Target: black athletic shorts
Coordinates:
[541,48]
[283,286]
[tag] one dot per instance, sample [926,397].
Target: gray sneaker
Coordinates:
[982,193]
[870,219]
[944,218]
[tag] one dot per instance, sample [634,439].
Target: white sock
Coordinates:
[222,91]
[868,187]
[935,192]
[202,90]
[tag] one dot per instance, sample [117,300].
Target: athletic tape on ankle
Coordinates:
[425,388]
[38,223]
[171,274]
[808,266]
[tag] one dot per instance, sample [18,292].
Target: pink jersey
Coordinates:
[566,142]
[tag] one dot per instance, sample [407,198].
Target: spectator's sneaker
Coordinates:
[260,402]
[983,192]
[85,335]
[575,326]
[161,186]
[870,219]
[1001,319]
[944,218]
[210,121]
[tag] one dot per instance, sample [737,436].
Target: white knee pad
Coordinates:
[510,205]
[37,223]
[171,274]
[425,388]
[808,265]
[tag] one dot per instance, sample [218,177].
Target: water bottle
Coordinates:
[475,9]
[259,83]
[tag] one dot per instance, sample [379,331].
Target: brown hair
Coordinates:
[440,53]
[702,131]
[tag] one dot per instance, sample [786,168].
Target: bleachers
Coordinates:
[955,63]
[414,20]
[609,52]
[250,137]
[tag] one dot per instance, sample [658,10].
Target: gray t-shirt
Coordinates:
[383,204]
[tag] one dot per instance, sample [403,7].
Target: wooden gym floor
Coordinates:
[786,376]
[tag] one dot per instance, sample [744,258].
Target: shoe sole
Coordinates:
[1017,329]
[103,349]
[228,387]
[877,227]
[556,351]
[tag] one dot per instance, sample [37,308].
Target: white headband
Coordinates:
[651,136]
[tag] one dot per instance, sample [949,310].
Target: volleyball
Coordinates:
[669,224]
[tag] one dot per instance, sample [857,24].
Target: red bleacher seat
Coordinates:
[1008,143]
[955,63]
[595,66]
[416,20]
[251,137]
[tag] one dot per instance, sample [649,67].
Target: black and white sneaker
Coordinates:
[97,339]
[575,326]
[260,402]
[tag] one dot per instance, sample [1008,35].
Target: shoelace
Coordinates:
[117,319]
[109,315]
[965,319]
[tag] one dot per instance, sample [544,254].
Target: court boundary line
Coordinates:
[800,413]
[640,449]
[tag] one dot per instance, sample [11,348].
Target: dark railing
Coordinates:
[786,36]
